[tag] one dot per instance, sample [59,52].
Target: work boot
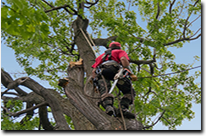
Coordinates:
[125,102]
[128,114]
[107,103]
[110,110]
[125,112]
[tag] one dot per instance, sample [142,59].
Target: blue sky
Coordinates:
[183,55]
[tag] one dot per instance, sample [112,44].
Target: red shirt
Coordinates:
[116,55]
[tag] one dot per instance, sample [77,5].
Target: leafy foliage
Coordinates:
[10,124]
[43,45]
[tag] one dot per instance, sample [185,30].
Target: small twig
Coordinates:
[7,111]
[91,3]
[129,5]
[156,121]
[195,32]
[189,15]
[48,3]
[166,120]
[193,21]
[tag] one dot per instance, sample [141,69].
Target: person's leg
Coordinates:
[108,74]
[125,87]
[107,99]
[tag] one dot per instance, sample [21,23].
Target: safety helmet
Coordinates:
[115,44]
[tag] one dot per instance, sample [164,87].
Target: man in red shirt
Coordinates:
[109,63]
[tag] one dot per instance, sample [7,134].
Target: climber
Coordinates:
[107,65]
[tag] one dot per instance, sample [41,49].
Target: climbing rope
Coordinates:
[93,96]
[88,41]
[120,108]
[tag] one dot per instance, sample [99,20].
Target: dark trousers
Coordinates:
[124,85]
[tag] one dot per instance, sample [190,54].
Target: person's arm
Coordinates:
[124,62]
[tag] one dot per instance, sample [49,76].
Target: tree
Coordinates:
[56,34]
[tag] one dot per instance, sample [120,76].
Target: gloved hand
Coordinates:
[127,72]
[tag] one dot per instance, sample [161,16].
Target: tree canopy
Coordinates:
[48,35]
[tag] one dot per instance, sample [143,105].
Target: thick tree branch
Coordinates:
[139,62]
[80,7]
[6,79]
[104,42]
[34,98]
[43,116]
[51,100]
[28,109]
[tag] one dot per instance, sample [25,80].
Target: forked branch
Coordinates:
[155,121]
[91,3]
[74,12]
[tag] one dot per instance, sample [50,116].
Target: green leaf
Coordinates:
[30,28]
